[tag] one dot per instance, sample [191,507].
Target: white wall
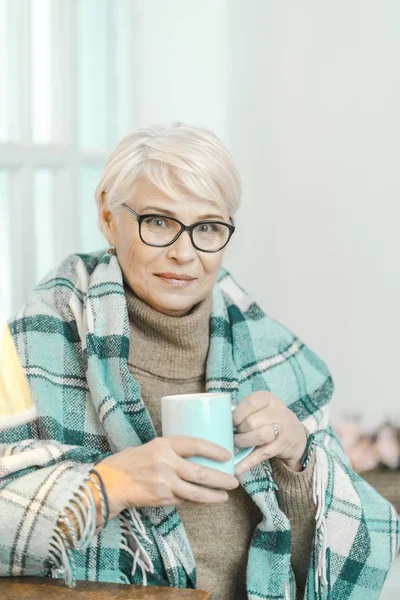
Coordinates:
[180,62]
[306,96]
[315,128]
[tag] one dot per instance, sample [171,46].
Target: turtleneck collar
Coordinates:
[166,346]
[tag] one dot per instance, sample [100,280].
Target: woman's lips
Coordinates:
[180,283]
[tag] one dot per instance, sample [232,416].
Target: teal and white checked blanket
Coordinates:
[73,340]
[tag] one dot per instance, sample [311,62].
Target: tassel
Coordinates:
[133,529]
[287,592]
[80,523]
[319,491]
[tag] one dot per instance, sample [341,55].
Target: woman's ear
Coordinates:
[106,218]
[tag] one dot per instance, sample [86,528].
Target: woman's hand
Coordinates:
[157,474]
[257,418]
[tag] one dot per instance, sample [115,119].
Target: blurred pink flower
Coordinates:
[388,446]
[366,451]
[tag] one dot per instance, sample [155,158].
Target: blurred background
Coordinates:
[305,95]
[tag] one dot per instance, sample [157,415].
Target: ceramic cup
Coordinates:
[207,416]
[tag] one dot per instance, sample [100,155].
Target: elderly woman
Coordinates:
[90,490]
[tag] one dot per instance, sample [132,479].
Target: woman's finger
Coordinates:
[255,421]
[256,437]
[258,456]
[186,446]
[206,476]
[249,405]
[197,493]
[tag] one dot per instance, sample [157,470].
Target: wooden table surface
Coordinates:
[36,588]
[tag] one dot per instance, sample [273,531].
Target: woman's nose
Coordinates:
[182,249]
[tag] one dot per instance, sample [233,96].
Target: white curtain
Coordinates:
[64,66]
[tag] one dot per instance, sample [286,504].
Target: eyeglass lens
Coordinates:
[207,235]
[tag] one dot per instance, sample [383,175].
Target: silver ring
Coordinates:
[276,430]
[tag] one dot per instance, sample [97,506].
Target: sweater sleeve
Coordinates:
[295,497]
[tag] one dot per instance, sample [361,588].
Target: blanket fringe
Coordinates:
[287,592]
[319,491]
[133,529]
[75,530]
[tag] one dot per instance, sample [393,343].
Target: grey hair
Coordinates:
[178,159]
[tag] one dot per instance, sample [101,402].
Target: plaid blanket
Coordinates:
[73,340]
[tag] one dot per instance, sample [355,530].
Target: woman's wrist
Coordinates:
[70,523]
[114,485]
[100,495]
[295,463]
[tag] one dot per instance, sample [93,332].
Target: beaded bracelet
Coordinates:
[307,454]
[105,507]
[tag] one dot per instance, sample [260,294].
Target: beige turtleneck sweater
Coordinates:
[167,355]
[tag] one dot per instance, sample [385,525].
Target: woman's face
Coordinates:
[149,270]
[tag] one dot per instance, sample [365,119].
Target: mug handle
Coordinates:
[239,456]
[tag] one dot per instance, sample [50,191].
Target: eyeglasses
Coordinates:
[160,231]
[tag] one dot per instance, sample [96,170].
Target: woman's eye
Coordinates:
[207,227]
[158,223]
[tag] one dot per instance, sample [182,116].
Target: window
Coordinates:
[65,100]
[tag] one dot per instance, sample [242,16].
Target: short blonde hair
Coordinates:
[177,159]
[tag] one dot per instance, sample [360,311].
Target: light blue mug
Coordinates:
[207,416]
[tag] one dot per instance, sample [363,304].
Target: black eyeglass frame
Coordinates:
[189,228]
